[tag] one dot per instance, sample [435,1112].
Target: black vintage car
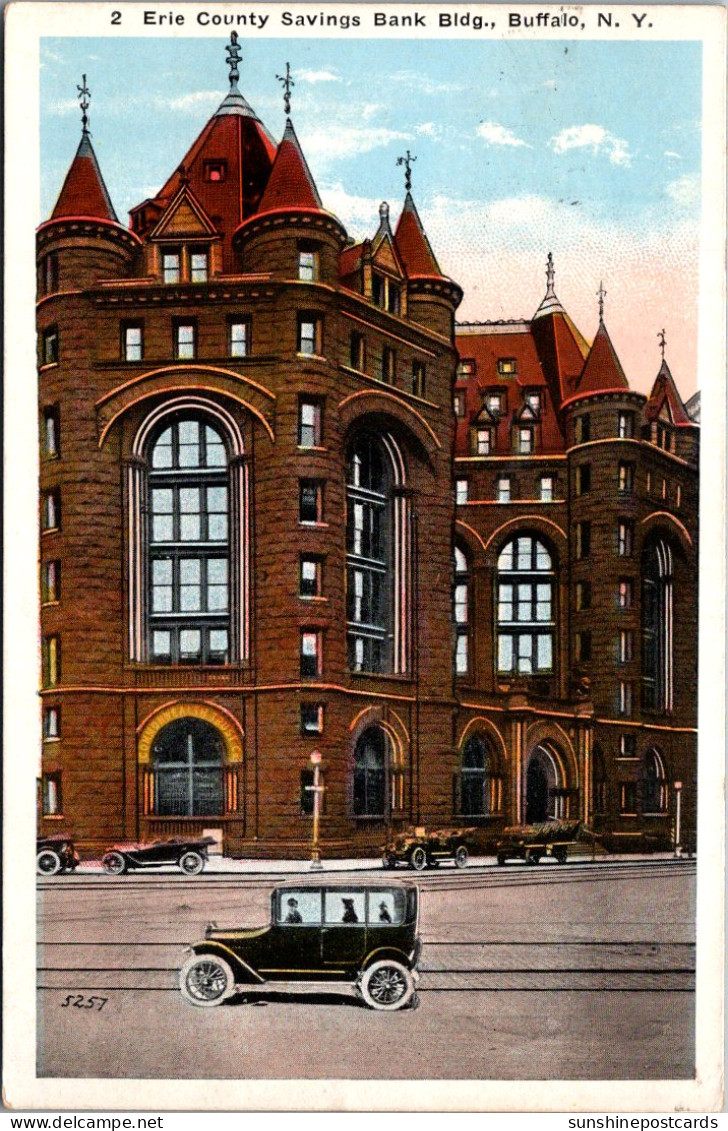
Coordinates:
[421,849]
[327,935]
[188,855]
[55,854]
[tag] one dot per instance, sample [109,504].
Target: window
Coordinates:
[657,627]
[51,353]
[648,482]
[583,540]
[507,366]
[483,441]
[583,479]
[461,611]
[311,500]
[358,352]
[418,378]
[189,545]
[625,537]
[628,797]
[310,579]
[461,491]
[371,765]
[525,441]
[661,436]
[466,368]
[51,723]
[583,647]
[678,496]
[582,429]
[312,719]
[626,593]
[307,264]
[239,338]
[51,661]
[626,478]
[215,170]
[525,607]
[185,334]
[663,493]
[627,746]
[52,795]
[625,698]
[51,432]
[546,488]
[503,489]
[187,760]
[198,267]
[51,582]
[626,646]
[583,595]
[480,787]
[389,364]
[458,404]
[50,273]
[310,654]
[385,293]
[309,424]
[171,271]
[132,341]
[310,336]
[533,400]
[369,556]
[654,783]
[625,425]
[494,403]
[51,510]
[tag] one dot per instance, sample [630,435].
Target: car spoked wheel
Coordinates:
[114,863]
[387,985]
[461,857]
[48,862]
[206,980]
[191,863]
[418,859]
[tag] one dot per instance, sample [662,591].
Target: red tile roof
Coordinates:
[84,192]
[290,185]
[664,392]
[602,369]
[562,350]
[413,244]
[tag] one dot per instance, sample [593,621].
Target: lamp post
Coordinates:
[678,794]
[317,789]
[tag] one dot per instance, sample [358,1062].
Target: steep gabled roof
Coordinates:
[84,192]
[562,350]
[184,216]
[290,185]
[665,398]
[413,244]
[602,369]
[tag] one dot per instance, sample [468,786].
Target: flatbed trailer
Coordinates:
[534,842]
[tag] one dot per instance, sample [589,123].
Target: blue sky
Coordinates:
[590,149]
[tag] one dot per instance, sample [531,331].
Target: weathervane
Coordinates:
[550,274]
[602,295]
[287,84]
[234,56]
[407,162]
[84,95]
[661,340]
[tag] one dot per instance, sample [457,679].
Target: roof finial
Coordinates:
[84,95]
[234,57]
[550,275]
[602,295]
[287,84]
[384,212]
[661,339]
[407,162]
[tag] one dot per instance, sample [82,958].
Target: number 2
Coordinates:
[116,17]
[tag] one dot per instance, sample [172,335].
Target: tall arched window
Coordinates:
[188,544]
[187,759]
[654,783]
[525,607]
[480,784]
[371,767]
[369,541]
[461,611]
[657,627]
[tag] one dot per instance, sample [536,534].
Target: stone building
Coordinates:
[288,505]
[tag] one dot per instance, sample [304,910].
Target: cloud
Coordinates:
[317,76]
[671,153]
[429,129]
[494,134]
[685,190]
[594,138]
[423,84]
[359,214]
[63,106]
[338,141]
[191,102]
[550,84]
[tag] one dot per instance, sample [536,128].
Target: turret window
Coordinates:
[389,365]
[51,510]
[357,351]
[626,478]
[51,661]
[625,538]
[50,273]
[309,424]
[583,540]
[310,334]
[51,432]
[311,501]
[310,577]
[625,425]
[52,795]
[51,578]
[51,351]
[582,429]
[583,479]
[52,723]
[307,264]
[310,654]
[418,378]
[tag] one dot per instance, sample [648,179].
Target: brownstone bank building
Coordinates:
[289,505]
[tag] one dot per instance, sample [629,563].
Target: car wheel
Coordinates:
[47,862]
[501,859]
[114,863]
[533,857]
[206,980]
[191,863]
[418,859]
[388,862]
[461,857]
[560,856]
[387,984]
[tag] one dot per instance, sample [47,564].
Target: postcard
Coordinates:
[365,390]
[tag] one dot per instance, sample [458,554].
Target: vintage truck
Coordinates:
[533,842]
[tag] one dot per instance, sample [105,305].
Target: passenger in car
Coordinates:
[384,916]
[350,915]
[294,915]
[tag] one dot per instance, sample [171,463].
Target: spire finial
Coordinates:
[661,339]
[287,84]
[407,162]
[384,211]
[234,56]
[84,95]
[602,295]
[550,275]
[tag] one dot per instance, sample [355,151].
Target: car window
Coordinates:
[386,907]
[299,907]
[344,907]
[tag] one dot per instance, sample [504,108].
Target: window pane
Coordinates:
[544,654]
[218,643]
[461,654]
[524,603]
[238,339]
[171,267]
[198,267]
[525,653]
[543,602]
[461,604]
[162,452]
[505,653]
[189,576]
[189,644]
[217,581]
[189,443]
[161,645]
[216,455]
[162,585]
[543,558]
[505,602]
[523,562]
[505,560]
[189,498]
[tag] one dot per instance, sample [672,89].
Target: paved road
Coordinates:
[575,972]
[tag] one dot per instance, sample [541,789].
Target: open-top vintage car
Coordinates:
[322,936]
[533,842]
[421,849]
[55,854]
[189,855]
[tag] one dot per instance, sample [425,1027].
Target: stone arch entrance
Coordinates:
[546,794]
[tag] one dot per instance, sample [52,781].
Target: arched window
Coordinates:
[187,759]
[188,544]
[657,627]
[461,611]
[480,784]
[369,558]
[654,783]
[525,607]
[371,767]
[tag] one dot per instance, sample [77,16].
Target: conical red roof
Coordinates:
[561,349]
[602,369]
[290,185]
[84,192]
[413,244]
[664,391]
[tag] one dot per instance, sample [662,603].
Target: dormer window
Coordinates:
[215,170]
[385,293]
[466,368]
[507,366]
[198,267]
[171,266]
[494,403]
[533,401]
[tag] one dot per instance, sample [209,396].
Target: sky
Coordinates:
[588,149]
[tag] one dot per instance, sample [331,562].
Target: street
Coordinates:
[584,971]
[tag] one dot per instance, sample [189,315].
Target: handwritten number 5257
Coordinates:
[78,1001]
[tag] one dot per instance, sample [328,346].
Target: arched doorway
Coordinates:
[543,779]
[187,757]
